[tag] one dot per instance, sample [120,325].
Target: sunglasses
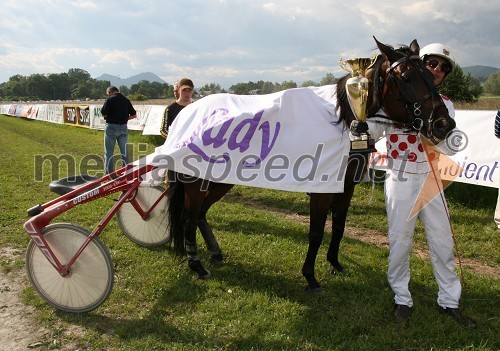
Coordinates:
[445,67]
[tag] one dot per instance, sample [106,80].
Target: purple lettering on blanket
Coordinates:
[234,139]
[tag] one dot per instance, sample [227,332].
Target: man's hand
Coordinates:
[358,127]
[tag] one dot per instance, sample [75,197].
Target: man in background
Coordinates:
[117,110]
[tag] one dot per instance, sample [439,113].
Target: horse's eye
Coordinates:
[405,76]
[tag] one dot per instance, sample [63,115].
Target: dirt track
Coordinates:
[18,329]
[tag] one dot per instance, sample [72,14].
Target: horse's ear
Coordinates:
[387,51]
[414,47]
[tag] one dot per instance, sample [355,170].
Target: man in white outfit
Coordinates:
[408,168]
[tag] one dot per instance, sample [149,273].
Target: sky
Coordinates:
[233,41]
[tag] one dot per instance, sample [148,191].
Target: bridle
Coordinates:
[413,108]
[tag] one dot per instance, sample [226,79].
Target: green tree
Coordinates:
[328,79]
[60,86]
[309,83]
[124,90]
[152,90]
[77,75]
[83,90]
[15,88]
[288,84]
[267,88]
[213,88]
[243,88]
[38,87]
[475,87]
[158,90]
[492,84]
[98,88]
[460,87]
[170,91]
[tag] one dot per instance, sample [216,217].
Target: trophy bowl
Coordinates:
[357,89]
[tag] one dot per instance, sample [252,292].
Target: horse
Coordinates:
[399,84]
[396,76]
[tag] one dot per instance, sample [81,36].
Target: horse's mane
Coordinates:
[376,74]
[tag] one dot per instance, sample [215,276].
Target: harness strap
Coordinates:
[400,61]
[389,122]
[413,109]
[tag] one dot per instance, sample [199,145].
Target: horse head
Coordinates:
[405,90]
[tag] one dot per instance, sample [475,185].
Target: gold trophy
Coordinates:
[357,93]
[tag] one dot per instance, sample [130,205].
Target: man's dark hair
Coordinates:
[112,89]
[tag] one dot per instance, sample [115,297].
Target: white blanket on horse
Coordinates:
[286,141]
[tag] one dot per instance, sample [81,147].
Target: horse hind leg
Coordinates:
[216,191]
[333,251]
[192,206]
[315,239]
[319,207]
[340,207]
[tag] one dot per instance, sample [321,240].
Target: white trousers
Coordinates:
[400,197]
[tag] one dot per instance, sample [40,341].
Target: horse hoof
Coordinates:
[314,291]
[337,269]
[197,267]
[205,276]
[216,260]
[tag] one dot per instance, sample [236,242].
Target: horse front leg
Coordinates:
[319,206]
[213,247]
[340,207]
[193,257]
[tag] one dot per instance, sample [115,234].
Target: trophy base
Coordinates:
[362,146]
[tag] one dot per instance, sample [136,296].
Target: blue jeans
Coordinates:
[114,133]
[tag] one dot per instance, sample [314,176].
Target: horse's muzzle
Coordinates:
[442,126]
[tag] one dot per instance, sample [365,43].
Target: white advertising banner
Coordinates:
[55,113]
[478,160]
[140,121]
[96,119]
[153,121]
[33,113]
[4,109]
[477,163]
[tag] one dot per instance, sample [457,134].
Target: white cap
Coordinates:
[437,49]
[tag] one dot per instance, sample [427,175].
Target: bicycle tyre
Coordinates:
[153,231]
[91,276]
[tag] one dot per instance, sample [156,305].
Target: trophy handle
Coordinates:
[342,65]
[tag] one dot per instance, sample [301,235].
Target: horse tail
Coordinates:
[175,212]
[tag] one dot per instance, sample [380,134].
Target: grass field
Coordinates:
[484,103]
[256,300]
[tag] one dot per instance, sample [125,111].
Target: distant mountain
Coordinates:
[479,72]
[118,82]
